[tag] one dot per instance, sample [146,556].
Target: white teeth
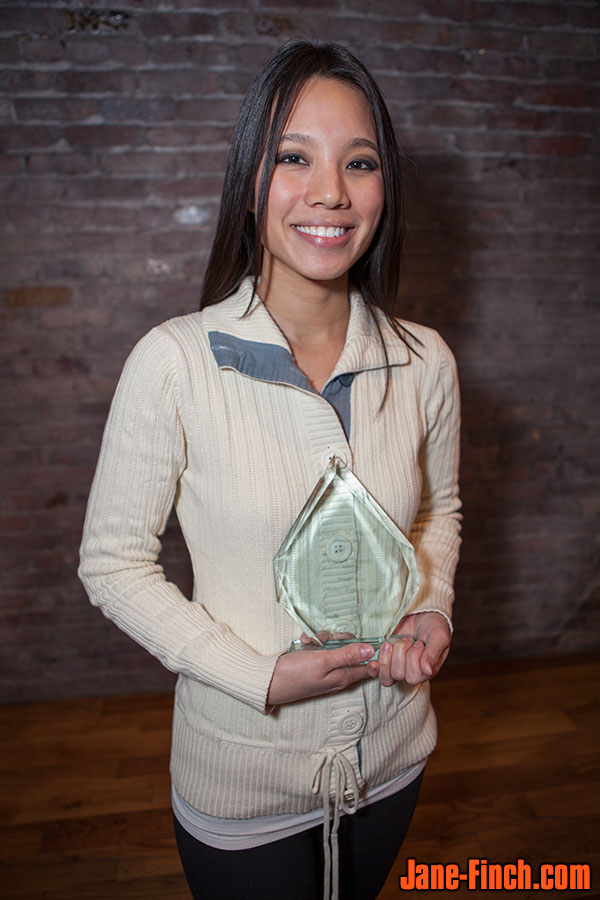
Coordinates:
[322,230]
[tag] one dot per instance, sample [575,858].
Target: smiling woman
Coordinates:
[324,206]
[326,195]
[295,774]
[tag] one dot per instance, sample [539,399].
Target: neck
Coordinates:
[306,310]
[313,317]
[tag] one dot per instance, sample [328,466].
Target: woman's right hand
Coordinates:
[312,673]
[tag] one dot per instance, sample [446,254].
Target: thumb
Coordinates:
[434,654]
[349,656]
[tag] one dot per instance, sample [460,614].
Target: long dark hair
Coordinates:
[237,250]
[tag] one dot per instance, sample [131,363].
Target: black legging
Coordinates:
[292,868]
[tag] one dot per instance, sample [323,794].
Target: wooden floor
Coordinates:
[85,791]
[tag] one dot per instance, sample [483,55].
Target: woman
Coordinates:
[232,414]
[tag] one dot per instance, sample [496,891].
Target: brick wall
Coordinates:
[115,127]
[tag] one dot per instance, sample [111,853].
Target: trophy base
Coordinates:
[333,644]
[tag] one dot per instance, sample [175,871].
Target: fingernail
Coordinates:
[367,652]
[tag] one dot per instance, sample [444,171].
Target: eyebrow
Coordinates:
[357,142]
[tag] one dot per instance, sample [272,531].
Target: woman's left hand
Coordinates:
[413,661]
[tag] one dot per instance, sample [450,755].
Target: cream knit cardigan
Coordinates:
[238,455]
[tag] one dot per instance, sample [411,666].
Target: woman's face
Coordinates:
[326,194]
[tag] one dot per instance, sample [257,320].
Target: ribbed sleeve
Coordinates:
[143,455]
[435,533]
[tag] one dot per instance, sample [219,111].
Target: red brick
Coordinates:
[408,9]
[88,50]
[517,119]
[175,242]
[250,54]
[189,135]
[36,296]
[14,523]
[556,95]
[447,61]
[89,81]
[449,116]
[235,81]
[502,65]
[10,51]
[132,110]
[60,163]
[495,39]
[160,164]
[11,165]
[175,82]
[128,51]
[30,136]
[69,268]
[584,16]
[42,50]
[411,34]
[521,13]
[207,110]
[482,90]
[7,110]
[571,145]
[16,81]
[582,70]
[56,110]
[100,189]
[157,25]
[92,136]
[393,59]
[446,9]
[487,143]
[202,54]
[242,24]
[39,21]
[552,43]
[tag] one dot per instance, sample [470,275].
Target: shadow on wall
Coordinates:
[527,582]
[441,290]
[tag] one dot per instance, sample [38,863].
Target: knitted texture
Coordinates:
[238,457]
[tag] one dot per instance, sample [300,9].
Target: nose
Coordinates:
[326,187]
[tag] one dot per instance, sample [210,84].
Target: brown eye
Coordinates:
[291,159]
[363,165]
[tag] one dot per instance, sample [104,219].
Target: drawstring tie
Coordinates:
[336,781]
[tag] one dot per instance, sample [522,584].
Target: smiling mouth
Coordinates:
[328,231]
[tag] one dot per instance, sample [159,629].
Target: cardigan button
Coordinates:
[351,723]
[339,549]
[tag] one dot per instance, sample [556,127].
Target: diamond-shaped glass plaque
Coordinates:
[345,572]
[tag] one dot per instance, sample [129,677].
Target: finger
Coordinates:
[349,675]
[413,672]
[346,668]
[324,636]
[437,645]
[431,664]
[384,658]
[372,668]
[401,649]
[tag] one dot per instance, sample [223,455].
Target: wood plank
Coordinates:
[85,788]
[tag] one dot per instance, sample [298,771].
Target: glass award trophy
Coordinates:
[345,572]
